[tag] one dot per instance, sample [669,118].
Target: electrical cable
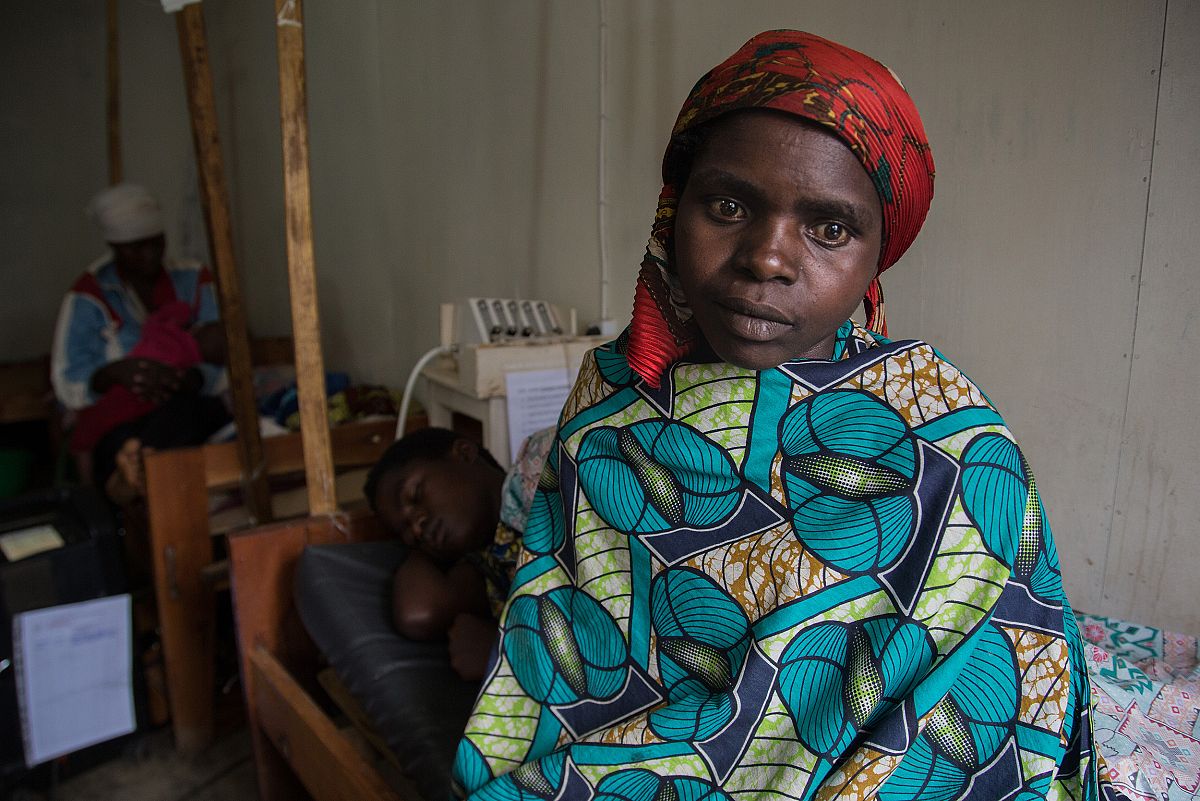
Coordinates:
[602,162]
[406,398]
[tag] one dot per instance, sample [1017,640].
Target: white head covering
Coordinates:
[126,213]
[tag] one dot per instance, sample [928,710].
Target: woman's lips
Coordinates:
[752,322]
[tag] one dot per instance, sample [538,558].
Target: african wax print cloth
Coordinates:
[833,578]
[1146,708]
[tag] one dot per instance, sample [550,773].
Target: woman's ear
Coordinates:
[464,450]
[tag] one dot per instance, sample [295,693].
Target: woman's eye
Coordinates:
[832,233]
[726,209]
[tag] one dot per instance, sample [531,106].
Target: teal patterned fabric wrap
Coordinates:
[830,579]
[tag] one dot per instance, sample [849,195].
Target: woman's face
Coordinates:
[777,236]
[140,260]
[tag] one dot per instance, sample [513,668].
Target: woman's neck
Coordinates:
[142,285]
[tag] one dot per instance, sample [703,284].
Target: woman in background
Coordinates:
[137,346]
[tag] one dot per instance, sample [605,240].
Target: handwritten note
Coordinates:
[74,676]
[535,400]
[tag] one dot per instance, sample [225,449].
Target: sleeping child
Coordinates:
[449,501]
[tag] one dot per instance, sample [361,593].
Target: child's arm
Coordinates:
[471,640]
[211,339]
[426,599]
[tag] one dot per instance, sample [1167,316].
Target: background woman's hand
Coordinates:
[146,378]
[155,381]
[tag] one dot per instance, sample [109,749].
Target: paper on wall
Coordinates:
[74,668]
[535,400]
[171,6]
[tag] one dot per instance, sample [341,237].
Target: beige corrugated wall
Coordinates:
[454,151]
[1152,551]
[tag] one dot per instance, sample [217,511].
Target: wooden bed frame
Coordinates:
[178,483]
[298,750]
[287,727]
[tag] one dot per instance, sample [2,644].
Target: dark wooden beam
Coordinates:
[193,45]
[306,326]
[113,86]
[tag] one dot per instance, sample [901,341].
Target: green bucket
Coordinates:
[15,465]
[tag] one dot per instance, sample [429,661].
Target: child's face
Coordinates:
[445,507]
[777,236]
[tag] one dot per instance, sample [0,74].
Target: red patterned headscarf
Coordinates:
[857,98]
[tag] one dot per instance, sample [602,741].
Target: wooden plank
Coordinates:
[113,87]
[193,46]
[25,392]
[178,482]
[181,548]
[310,364]
[371,740]
[293,502]
[329,767]
[262,565]
[356,444]
[262,561]
[352,709]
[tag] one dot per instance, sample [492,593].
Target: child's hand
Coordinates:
[471,640]
[148,379]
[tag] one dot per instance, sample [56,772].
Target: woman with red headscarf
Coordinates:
[773,552]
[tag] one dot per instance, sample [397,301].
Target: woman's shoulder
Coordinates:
[925,388]
[95,277]
[190,270]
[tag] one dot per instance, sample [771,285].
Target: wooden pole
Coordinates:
[113,105]
[306,325]
[193,46]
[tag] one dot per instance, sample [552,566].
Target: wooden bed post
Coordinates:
[193,46]
[287,730]
[113,85]
[306,327]
[295,743]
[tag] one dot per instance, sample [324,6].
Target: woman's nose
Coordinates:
[771,251]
